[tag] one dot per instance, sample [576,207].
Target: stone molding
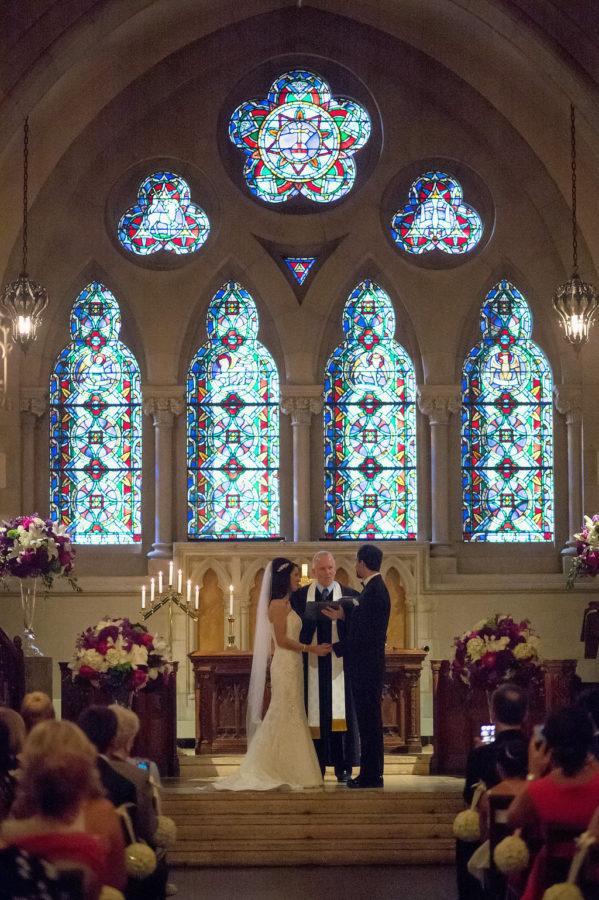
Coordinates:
[439,401]
[33,401]
[163,405]
[301,409]
[568,401]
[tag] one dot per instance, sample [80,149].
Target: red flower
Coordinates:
[147,639]
[489,660]
[87,672]
[139,678]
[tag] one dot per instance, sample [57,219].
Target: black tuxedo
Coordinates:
[333,748]
[363,650]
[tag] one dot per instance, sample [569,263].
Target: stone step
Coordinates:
[330,827]
[207,767]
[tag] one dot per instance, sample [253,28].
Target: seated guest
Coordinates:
[508,708]
[118,754]
[99,724]
[512,766]
[589,701]
[8,764]
[16,727]
[82,825]
[36,707]
[31,877]
[568,795]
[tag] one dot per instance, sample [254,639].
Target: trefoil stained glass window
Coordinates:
[95,427]
[233,426]
[300,140]
[370,426]
[164,218]
[507,427]
[436,217]
[300,266]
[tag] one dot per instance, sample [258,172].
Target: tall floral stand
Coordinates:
[38,668]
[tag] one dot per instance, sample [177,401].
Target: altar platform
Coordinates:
[406,823]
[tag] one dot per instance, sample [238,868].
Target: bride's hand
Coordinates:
[323,649]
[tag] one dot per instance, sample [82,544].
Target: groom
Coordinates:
[329,707]
[364,651]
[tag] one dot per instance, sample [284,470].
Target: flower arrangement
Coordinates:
[31,547]
[119,656]
[586,561]
[495,650]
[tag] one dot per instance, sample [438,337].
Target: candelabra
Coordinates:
[173,600]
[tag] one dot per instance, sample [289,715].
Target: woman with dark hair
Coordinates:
[568,795]
[280,747]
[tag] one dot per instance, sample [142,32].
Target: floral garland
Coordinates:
[497,649]
[118,656]
[31,547]
[586,561]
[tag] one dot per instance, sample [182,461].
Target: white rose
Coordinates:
[113,657]
[139,655]
[475,648]
[93,659]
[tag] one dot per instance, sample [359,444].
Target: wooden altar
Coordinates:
[156,706]
[459,712]
[221,684]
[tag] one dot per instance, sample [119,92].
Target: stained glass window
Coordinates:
[300,266]
[370,425]
[233,426]
[300,140]
[436,217]
[164,218]
[507,427]
[95,427]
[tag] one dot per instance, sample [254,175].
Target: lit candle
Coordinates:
[179,581]
[170,574]
[160,582]
[230,599]
[304,570]
[143,596]
[197,596]
[152,590]
[188,591]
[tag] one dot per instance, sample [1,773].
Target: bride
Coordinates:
[280,748]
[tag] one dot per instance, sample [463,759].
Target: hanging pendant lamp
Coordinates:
[23,300]
[575,301]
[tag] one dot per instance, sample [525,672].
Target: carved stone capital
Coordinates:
[301,409]
[163,407]
[33,401]
[439,401]
[568,401]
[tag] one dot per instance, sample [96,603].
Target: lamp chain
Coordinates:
[25,179]
[573,150]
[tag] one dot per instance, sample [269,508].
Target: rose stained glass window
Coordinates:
[436,217]
[233,426]
[300,140]
[507,427]
[164,218]
[95,427]
[370,426]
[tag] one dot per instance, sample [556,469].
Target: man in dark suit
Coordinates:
[364,651]
[329,706]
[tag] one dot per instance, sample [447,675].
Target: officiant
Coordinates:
[329,706]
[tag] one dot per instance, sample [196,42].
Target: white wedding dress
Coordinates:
[281,753]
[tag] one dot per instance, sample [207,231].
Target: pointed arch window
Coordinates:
[370,426]
[233,426]
[507,427]
[95,427]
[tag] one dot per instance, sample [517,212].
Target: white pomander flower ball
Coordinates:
[166,832]
[511,855]
[140,860]
[563,891]
[466,825]
[110,893]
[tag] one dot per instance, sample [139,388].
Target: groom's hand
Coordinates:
[333,612]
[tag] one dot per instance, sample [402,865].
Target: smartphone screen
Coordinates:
[539,733]
[487,734]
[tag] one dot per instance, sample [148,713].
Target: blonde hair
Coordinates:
[36,707]
[58,771]
[127,727]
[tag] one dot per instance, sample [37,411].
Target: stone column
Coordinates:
[163,408]
[301,408]
[33,405]
[568,400]
[438,402]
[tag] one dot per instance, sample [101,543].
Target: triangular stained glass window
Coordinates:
[300,266]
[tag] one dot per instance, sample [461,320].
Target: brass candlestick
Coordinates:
[231,637]
[174,600]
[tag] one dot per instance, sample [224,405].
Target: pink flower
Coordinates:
[147,639]
[489,660]
[86,672]
[139,678]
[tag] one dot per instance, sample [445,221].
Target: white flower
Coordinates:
[524,651]
[475,648]
[494,645]
[93,659]
[114,656]
[139,655]
[153,674]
